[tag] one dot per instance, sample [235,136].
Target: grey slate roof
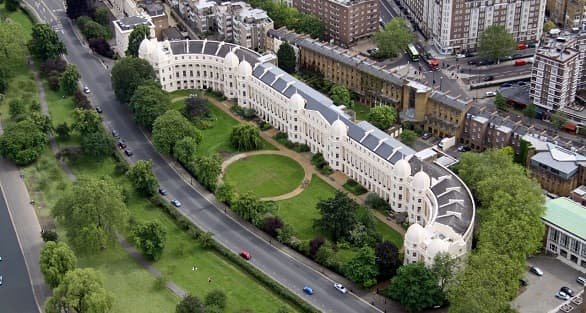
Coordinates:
[448,100]
[215,48]
[568,168]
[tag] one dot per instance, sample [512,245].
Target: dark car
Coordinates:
[463,149]
[426,136]
[568,291]
[128,152]
[162,191]
[473,62]
[122,144]
[487,78]
[506,85]
[99,109]
[485,62]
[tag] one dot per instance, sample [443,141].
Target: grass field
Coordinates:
[182,253]
[265,175]
[361,111]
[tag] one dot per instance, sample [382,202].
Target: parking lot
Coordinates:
[539,295]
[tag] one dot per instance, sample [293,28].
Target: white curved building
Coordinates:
[438,204]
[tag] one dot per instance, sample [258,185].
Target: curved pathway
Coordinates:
[307,170]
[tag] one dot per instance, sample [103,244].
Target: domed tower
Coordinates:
[230,73]
[434,247]
[413,244]
[400,194]
[338,131]
[296,106]
[418,210]
[244,74]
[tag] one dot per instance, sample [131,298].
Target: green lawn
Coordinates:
[300,211]
[361,111]
[265,175]
[182,253]
[61,107]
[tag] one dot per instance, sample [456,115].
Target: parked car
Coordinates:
[372,51]
[245,255]
[162,192]
[485,62]
[86,89]
[460,56]
[536,270]
[522,46]
[308,290]
[340,288]
[122,144]
[128,152]
[487,78]
[463,148]
[522,83]
[523,282]
[115,133]
[562,295]
[491,93]
[581,280]
[568,291]
[520,62]
[506,85]
[517,56]
[99,109]
[176,203]
[426,136]
[473,62]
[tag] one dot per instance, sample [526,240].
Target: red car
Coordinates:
[520,62]
[245,254]
[522,46]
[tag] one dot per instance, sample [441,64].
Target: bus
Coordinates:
[413,53]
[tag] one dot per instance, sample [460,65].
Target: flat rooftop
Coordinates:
[567,215]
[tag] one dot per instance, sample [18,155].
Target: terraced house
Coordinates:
[437,203]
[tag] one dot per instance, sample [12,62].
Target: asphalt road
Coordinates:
[281,267]
[16,295]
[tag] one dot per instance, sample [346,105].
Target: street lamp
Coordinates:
[441,78]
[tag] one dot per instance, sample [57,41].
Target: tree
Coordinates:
[12,5]
[81,291]
[248,206]
[148,102]
[286,58]
[77,8]
[548,25]
[382,116]
[53,66]
[4,79]
[225,193]
[393,40]
[373,201]
[128,74]
[42,121]
[272,224]
[49,235]
[205,239]
[311,25]
[216,298]
[415,286]
[362,268]
[500,101]
[558,119]
[86,121]
[341,96]
[81,100]
[150,238]
[92,29]
[142,177]
[207,169]
[55,261]
[245,137]
[16,109]
[23,142]
[45,44]
[102,16]
[388,260]
[92,211]
[170,128]
[190,304]
[530,110]
[314,245]
[196,107]
[12,44]
[495,42]
[185,150]
[69,80]
[444,268]
[408,136]
[338,216]
[138,34]
[101,47]
[97,145]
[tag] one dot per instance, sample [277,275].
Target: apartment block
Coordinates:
[124,26]
[456,25]
[346,21]
[569,13]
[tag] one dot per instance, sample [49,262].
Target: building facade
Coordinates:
[438,204]
[455,26]
[565,232]
[124,26]
[569,13]
[345,21]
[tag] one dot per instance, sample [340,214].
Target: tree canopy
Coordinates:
[12,5]
[12,44]
[393,40]
[150,238]
[382,116]
[388,259]
[138,34]
[55,261]
[23,142]
[69,79]
[362,268]
[416,287]
[286,58]
[171,127]
[86,121]
[246,137]
[196,107]
[341,96]
[92,211]
[129,73]
[207,169]
[496,43]
[338,216]
[185,150]
[45,44]
[408,136]
[97,145]
[148,102]
[190,304]
[77,8]
[82,291]
[142,177]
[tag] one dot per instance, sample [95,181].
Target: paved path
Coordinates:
[132,252]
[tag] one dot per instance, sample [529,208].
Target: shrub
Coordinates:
[81,100]
[314,246]
[49,235]
[50,66]
[215,298]
[373,201]
[225,193]
[53,82]
[354,187]
[101,47]
[272,225]
[285,234]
